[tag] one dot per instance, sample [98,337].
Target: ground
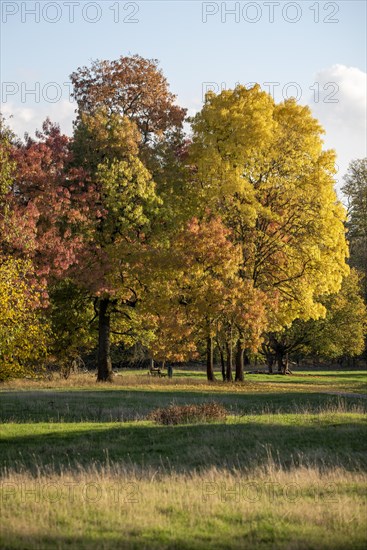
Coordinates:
[82,467]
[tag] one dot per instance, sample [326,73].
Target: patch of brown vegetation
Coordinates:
[187,414]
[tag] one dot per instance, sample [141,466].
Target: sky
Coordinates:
[312,50]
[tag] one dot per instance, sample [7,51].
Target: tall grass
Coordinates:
[128,507]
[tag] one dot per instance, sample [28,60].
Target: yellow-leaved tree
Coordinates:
[261,166]
[23,329]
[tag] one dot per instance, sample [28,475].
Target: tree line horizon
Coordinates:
[232,240]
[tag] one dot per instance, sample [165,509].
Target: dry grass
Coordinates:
[126,381]
[114,507]
[183,381]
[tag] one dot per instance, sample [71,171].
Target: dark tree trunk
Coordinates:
[210,359]
[279,360]
[229,376]
[104,357]
[270,361]
[222,363]
[269,356]
[240,353]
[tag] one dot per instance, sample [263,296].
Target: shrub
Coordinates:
[186,414]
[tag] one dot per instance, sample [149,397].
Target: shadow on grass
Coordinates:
[140,539]
[187,447]
[121,405]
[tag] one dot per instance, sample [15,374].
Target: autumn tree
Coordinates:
[131,87]
[125,109]
[24,331]
[340,333]
[46,225]
[17,221]
[192,286]
[355,190]
[261,166]
[53,198]
[109,264]
[196,288]
[72,320]
[134,89]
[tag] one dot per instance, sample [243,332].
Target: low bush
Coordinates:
[187,414]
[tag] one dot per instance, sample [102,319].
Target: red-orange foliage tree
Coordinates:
[198,290]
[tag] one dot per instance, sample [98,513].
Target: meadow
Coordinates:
[83,467]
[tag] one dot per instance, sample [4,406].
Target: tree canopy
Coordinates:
[230,239]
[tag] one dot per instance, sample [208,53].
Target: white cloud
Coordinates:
[341,107]
[26,119]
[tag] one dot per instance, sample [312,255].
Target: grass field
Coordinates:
[82,467]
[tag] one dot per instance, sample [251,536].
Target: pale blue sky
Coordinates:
[192,52]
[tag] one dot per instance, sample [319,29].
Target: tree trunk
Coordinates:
[286,364]
[269,356]
[279,360]
[104,357]
[222,363]
[270,361]
[209,359]
[229,377]
[240,352]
